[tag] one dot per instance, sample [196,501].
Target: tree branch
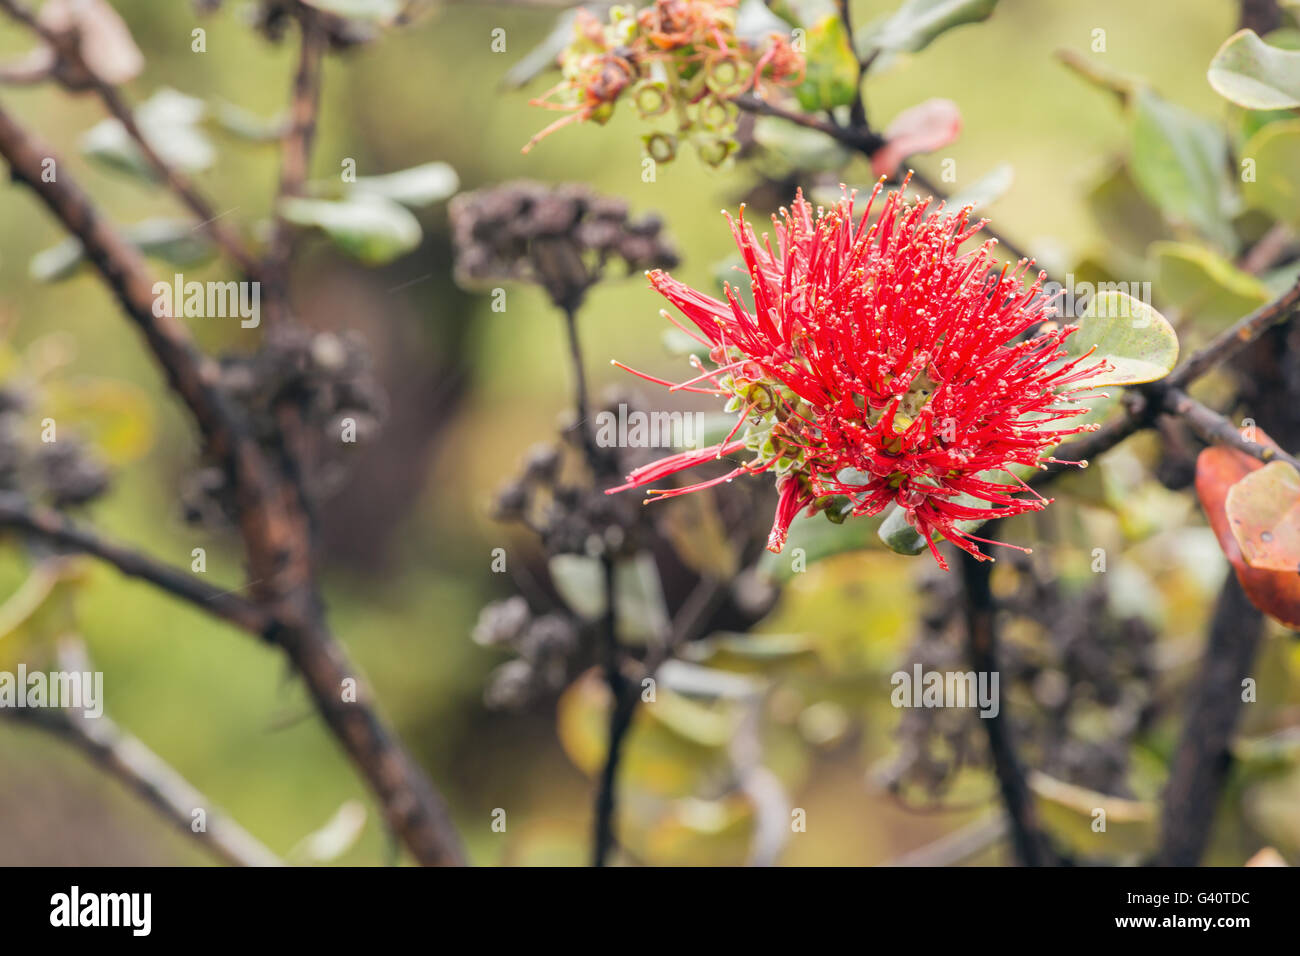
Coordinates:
[1236,337]
[273,519]
[209,220]
[295,157]
[130,761]
[1215,429]
[863,140]
[54,527]
[1031,846]
[1200,764]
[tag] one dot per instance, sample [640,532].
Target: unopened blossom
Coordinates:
[880,364]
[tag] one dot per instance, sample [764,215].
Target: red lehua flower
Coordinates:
[880,365]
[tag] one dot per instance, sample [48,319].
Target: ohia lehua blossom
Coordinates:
[880,364]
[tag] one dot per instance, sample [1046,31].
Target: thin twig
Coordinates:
[1236,337]
[295,157]
[957,846]
[623,698]
[113,101]
[130,761]
[1201,762]
[863,140]
[1215,429]
[52,526]
[273,519]
[1030,844]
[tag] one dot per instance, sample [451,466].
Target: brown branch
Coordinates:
[1201,762]
[295,159]
[130,761]
[1031,846]
[1215,429]
[1236,337]
[623,701]
[67,49]
[863,140]
[54,527]
[272,516]
[1143,403]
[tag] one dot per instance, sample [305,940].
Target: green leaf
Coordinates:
[818,539]
[988,188]
[1123,213]
[898,535]
[799,148]
[755,20]
[674,746]
[177,242]
[1250,73]
[831,77]
[1203,285]
[545,55]
[338,835]
[168,120]
[414,187]
[248,125]
[1103,78]
[370,228]
[60,261]
[1129,334]
[1069,811]
[1274,188]
[918,22]
[750,652]
[580,581]
[901,537]
[1180,161]
[1263,511]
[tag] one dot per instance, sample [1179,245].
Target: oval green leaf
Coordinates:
[1203,285]
[1272,186]
[414,187]
[1129,334]
[1253,74]
[1180,162]
[368,227]
[916,23]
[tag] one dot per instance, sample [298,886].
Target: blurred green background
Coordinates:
[409,538]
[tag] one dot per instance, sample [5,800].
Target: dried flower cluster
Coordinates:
[675,58]
[562,237]
[1090,674]
[325,381]
[878,365]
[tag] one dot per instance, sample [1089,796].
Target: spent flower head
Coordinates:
[879,364]
[681,59]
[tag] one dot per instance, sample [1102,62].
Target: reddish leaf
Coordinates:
[921,129]
[1264,513]
[1276,593]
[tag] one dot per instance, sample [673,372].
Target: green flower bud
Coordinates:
[661,147]
[651,98]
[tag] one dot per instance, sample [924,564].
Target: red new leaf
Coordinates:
[1218,469]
